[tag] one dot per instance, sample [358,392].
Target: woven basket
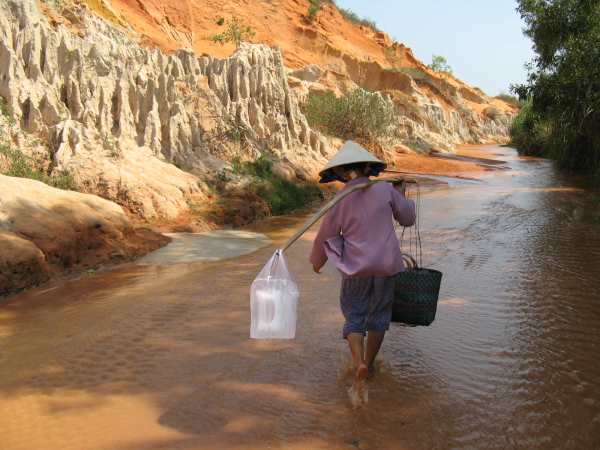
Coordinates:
[416,294]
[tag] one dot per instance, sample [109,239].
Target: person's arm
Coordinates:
[402,208]
[330,228]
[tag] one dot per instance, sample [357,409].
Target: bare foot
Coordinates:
[360,388]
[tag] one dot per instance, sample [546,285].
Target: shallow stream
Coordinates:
[158,356]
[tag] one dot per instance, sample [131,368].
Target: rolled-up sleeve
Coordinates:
[403,208]
[330,228]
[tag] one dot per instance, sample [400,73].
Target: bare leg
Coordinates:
[356,343]
[374,340]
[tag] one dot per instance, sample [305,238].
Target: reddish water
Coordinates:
[159,357]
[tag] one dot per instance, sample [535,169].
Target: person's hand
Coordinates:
[317,269]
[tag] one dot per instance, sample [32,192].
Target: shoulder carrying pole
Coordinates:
[330,204]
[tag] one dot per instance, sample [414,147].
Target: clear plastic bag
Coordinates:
[273,301]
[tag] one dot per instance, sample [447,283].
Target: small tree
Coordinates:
[313,9]
[440,64]
[236,32]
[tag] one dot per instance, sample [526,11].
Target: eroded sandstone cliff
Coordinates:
[122,118]
[436,110]
[133,103]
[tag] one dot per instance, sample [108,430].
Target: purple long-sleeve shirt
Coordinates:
[358,234]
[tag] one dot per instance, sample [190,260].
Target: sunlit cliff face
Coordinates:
[349,53]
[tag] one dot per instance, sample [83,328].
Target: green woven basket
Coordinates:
[416,295]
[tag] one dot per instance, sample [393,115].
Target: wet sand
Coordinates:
[158,357]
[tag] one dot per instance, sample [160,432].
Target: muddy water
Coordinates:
[157,357]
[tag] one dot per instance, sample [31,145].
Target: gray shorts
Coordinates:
[366,303]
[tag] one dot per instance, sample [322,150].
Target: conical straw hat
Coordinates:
[350,153]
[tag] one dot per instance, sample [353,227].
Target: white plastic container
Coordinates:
[274,301]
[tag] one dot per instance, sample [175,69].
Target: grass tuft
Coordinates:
[21,166]
[355,18]
[281,196]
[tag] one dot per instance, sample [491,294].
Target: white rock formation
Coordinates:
[118,116]
[430,113]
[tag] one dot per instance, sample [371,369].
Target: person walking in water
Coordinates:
[358,237]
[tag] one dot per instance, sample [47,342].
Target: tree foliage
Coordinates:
[564,78]
[529,130]
[440,64]
[236,32]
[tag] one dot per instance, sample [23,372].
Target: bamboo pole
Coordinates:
[458,177]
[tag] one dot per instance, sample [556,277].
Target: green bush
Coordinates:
[281,195]
[21,166]
[357,115]
[4,111]
[284,196]
[413,72]
[564,78]
[236,32]
[510,99]
[314,6]
[529,133]
[355,18]
[440,64]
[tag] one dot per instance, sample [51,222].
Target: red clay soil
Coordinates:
[90,249]
[346,50]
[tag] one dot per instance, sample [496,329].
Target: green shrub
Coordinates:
[355,18]
[261,168]
[413,72]
[62,180]
[6,112]
[529,133]
[314,6]
[440,64]
[510,99]
[357,115]
[282,196]
[21,166]
[236,32]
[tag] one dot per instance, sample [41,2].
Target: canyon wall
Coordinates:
[130,101]
[124,119]
[148,129]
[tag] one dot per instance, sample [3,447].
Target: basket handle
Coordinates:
[410,261]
